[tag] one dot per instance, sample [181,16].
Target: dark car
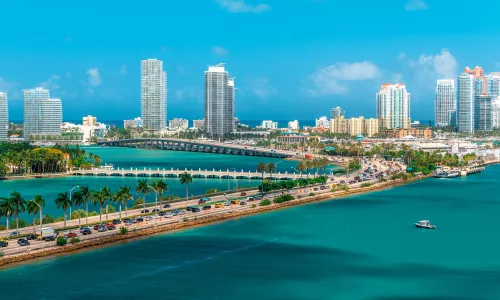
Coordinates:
[116,222]
[49,238]
[155,210]
[144,211]
[32,237]
[86,231]
[96,227]
[202,201]
[207,207]
[243,194]
[166,206]
[23,242]
[189,208]
[3,243]
[195,209]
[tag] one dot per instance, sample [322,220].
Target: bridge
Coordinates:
[205,146]
[174,173]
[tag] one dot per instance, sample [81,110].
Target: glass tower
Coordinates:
[393,106]
[153,94]
[465,103]
[4,116]
[219,101]
[445,103]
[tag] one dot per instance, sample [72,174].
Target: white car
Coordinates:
[148,218]
[169,215]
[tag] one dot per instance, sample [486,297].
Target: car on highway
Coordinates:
[189,208]
[144,211]
[168,215]
[203,200]
[148,218]
[182,212]
[219,205]
[207,207]
[243,203]
[251,198]
[195,209]
[235,202]
[227,203]
[127,222]
[166,206]
[116,222]
[4,243]
[85,231]
[243,194]
[96,227]
[139,219]
[23,242]
[110,226]
[155,210]
[32,236]
[69,234]
[102,228]
[14,234]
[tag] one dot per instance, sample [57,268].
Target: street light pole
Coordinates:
[39,206]
[156,199]
[71,199]
[276,171]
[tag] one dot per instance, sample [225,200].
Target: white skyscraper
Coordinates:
[445,104]
[219,101]
[269,124]
[393,106]
[33,110]
[465,103]
[293,125]
[495,113]
[153,94]
[336,112]
[51,112]
[322,122]
[4,116]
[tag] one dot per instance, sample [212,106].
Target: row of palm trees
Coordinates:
[316,164]
[13,206]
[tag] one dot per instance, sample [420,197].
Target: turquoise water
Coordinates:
[362,247]
[140,158]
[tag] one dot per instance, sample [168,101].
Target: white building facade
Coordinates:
[178,124]
[465,103]
[322,122]
[495,113]
[52,116]
[153,94]
[393,106]
[4,117]
[293,125]
[42,115]
[445,103]
[269,124]
[219,101]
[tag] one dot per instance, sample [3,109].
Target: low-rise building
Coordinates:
[269,124]
[322,122]
[89,121]
[135,123]
[355,126]
[399,133]
[178,124]
[293,125]
[295,138]
[198,124]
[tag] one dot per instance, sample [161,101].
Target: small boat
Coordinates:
[425,224]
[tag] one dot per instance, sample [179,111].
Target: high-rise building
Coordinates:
[293,125]
[479,82]
[269,124]
[4,116]
[89,121]
[495,113]
[219,101]
[336,112]
[51,117]
[445,103]
[465,103]
[33,110]
[393,106]
[482,113]
[322,122]
[493,84]
[178,124]
[153,94]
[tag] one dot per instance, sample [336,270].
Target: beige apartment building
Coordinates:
[355,126]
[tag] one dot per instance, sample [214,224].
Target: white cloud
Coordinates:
[432,67]
[219,51]
[123,70]
[332,79]
[413,5]
[401,56]
[52,83]
[241,6]
[260,87]
[94,79]
[6,86]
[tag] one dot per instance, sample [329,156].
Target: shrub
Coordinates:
[1,254]
[75,240]
[254,205]
[123,230]
[382,179]
[333,190]
[265,202]
[61,241]
[185,219]
[312,194]
[283,198]
[344,187]
[366,184]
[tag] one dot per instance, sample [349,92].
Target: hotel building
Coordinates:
[445,104]
[219,101]
[393,106]
[4,117]
[153,94]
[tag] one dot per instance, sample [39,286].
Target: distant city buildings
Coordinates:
[219,101]
[198,124]
[445,103]
[322,122]
[336,113]
[42,115]
[355,126]
[425,133]
[393,106]
[293,125]
[4,117]
[89,121]
[153,94]
[178,124]
[135,123]
[269,124]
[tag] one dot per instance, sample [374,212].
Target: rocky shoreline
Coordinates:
[94,243]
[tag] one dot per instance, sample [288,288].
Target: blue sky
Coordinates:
[292,59]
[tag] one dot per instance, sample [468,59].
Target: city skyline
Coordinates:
[277,71]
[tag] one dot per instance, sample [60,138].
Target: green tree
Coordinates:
[186,179]
[262,167]
[34,209]
[6,208]
[124,197]
[301,167]
[143,188]
[19,205]
[99,197]
[271,168]
[159,187]
[87,194]
[78,200]
[106,191]
[63,202]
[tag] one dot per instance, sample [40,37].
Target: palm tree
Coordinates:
[6,209]
[261,167]
[107,194]
[63,201]
[186,179]
[143,188]
[125,195]
[159,186]
[301,166]
[271,168]
[19,205]
[309,165]
[87,194]
[98,197]
[78,200]
[34,209]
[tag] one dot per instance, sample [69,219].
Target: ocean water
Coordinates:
[360,247]
[49,188]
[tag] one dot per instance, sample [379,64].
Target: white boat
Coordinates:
[425,224]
